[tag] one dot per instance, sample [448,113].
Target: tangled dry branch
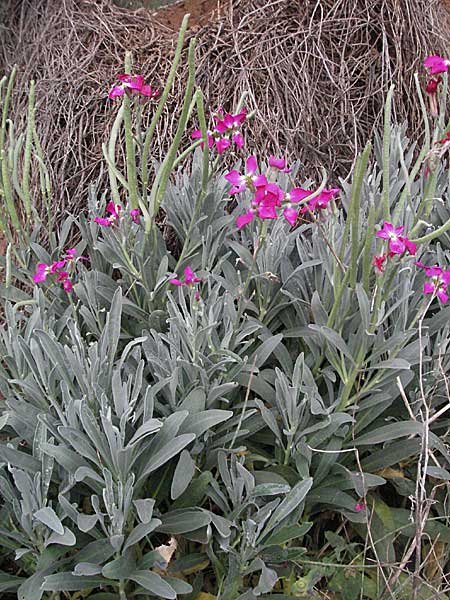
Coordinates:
[317,72]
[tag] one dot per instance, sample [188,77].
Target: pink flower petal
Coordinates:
[259,181]
[410,246]
[277,163]
[267,212]
[443,297]
[220,127]
[177,282]
[446,277]
[222,144]
[428,288]
[62,276]
[237,189]
[116,91]
[67,285]
[396,246]
[244,219]
[41,273]
[251,165]
[298,194]
[228,121]
[436,64]
[238,140]
[240,117]
[291,215]
[135,214]
[103,221]
[59,264]
[234,177]
[189,275]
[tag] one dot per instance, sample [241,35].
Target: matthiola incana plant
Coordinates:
[233,384]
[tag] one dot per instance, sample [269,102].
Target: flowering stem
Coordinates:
[162,178]
[205,177]
[46,188]
[386,154]
[422,155]
[186,153]
[353,209]
[432,235]
[27,154]
[162,101]
[259,244]
[7,190]
[112,169]
[129,142]
[355,204]
[367,256]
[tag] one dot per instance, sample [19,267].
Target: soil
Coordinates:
[3,245]
[201,11]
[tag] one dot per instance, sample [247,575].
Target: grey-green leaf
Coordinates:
[48,516]
[184,472]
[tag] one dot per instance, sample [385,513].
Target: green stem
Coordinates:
[162,101]
[205,178]
[386,154]
[27,155]
[367,252]
[250,273]
[162,177]
[112,169]
[354,209]
[129,142]
[434,234]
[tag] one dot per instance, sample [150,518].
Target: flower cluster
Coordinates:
[435,66]
[115,211]
[398,244]
[269,198]
[226,131]
[56,268]
[189,280]
[439,280]
[134,85]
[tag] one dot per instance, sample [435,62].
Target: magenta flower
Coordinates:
[440,279]
[42,270]
[436,64]
[278,163]
[114,211]
[360,506]
[378,263]
[268,199]
[71,253]
[222,144]
[398,244]
[291,215]
[319,202]
[69,261]
[245,219]
[445,139]
[431,90]
[189,280]
[227,126]
[133,84]
[197,135]
[67,285]
[248,180]
[135,213]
